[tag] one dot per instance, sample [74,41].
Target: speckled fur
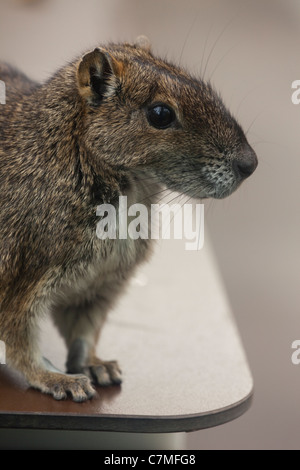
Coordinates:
[63,151]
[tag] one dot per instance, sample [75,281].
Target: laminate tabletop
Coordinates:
[174,335]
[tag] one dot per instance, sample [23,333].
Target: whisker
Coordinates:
[254,89]
[227,25]
[174,213]
[150,196]
[253,121]
[210,204]
[188,36]
[174,197]
[221,60]
[259,142]
[204,49]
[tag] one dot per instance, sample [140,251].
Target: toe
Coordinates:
[107,373]
[100,375]
[114,372]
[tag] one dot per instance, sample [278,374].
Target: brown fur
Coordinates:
[70,144]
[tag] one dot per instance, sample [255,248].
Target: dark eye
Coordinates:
[160,116]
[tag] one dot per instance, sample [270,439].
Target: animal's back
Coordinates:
[17,85]
[15,80]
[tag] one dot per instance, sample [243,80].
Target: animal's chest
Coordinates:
[102,262]
[121,249]
[96,265]
[117,257]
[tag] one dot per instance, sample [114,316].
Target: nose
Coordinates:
[246,162]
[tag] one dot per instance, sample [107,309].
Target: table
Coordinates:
[184,367]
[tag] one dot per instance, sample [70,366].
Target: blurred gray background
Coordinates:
[250,50]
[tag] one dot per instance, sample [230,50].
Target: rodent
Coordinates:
[116,121]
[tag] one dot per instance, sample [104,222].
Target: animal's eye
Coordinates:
[160,116]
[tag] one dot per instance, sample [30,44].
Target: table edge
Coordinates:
[124,423]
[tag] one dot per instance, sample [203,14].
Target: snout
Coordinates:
[245,164]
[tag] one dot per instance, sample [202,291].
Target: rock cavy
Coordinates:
[116,121]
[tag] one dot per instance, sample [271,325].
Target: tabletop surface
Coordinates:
[183,364]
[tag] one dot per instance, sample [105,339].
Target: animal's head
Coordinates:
[144,113]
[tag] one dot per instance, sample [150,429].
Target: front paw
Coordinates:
[80,361]
[106,373]
[62,386]
[102,373]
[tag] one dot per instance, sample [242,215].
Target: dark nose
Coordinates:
[246,162]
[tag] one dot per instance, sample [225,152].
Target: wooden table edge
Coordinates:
[122,423]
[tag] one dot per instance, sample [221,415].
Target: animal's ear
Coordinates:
[142,42]
[98,74]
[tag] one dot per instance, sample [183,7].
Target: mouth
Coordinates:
[207,185]
[224,193]
[215,188]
